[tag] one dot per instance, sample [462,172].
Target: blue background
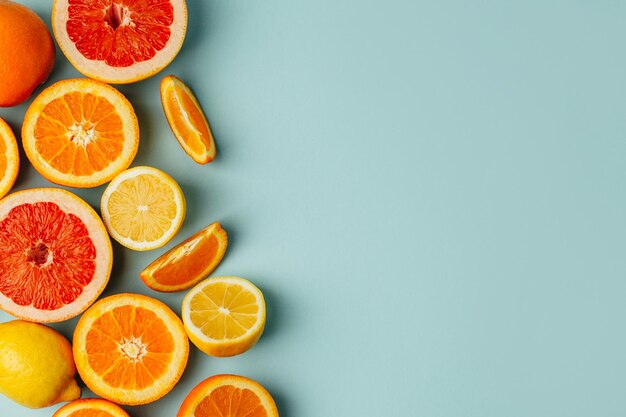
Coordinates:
[430,195]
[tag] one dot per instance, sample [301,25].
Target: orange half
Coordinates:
[189,262]
[90,407]
[9,158]
[187,120]
[80,133]
[130,349]
[228,396]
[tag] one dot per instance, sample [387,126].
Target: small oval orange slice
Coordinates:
[187,120]
[9,158]
[91,407]
[228,395]
[188,263]
[130,349]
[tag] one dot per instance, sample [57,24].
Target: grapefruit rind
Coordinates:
[101,71]
[128,396]
[84,85]
[12,158]
[93,405]
[69,203]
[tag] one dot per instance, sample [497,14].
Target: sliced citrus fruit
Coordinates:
[228,396]
[9,158]
[119,41]
[143,208]
[224,316]
[80,133]
[55,255]
[90,407]
[187,120]
[186,264]
[130,349]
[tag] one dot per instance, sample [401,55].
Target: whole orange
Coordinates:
[26,52]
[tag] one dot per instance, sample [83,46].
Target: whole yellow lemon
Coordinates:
[36,365]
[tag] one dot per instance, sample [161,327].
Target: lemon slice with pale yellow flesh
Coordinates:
[143,208]
[224,316]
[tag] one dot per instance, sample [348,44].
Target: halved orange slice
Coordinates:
[9,158]
[80,133]
[187,120]
[186,264]
[90,407]
[228,396]
[130,349]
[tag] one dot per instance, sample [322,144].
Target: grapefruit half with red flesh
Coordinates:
[119,41]
[55,255]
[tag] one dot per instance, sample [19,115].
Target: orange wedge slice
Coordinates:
[80,133]
[130,349]
[9,158]
[228,396]
[188,263]
[90,407]
[187,120]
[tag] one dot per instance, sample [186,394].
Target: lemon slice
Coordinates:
[224,316]
[143,208]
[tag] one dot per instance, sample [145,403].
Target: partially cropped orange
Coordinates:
[189,262]
[9,158]
[26,53]
[80,133]
[228,396]
[90,407]
[187,120]
[130,349]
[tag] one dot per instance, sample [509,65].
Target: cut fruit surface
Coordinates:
[55,255]
[9,158]
[119,41]
[185,265]
[228,396]
[224,316]
[187,120]
[130,349]
[80,133]
[143,208]
[90,407]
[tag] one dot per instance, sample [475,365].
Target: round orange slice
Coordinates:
[187,120]
[228,395]
[80,133]
[130,349]
[189,262]
[224,316]
[9,158]
[55,255]
[90,407]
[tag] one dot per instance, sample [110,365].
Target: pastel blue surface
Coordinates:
[430,195]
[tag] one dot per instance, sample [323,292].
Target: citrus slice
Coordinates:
[55,255]
[130,349]
[143,208]
[90,407]
[224,316]
[228,396]
[9,158]
[119,41]
[187,120]
[80,133]
[186,264]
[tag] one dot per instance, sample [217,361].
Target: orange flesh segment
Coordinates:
[88,412]
[79,133]
[230,401]
[3,159]
[129,347]
[208,305]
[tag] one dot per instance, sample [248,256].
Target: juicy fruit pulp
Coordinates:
[80,133]
[120,41]
[36,365]
[55,256]
[90,407]
[187,120]
[9,158]
[228,396]
[187,263]
[26,53]
[130,349]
